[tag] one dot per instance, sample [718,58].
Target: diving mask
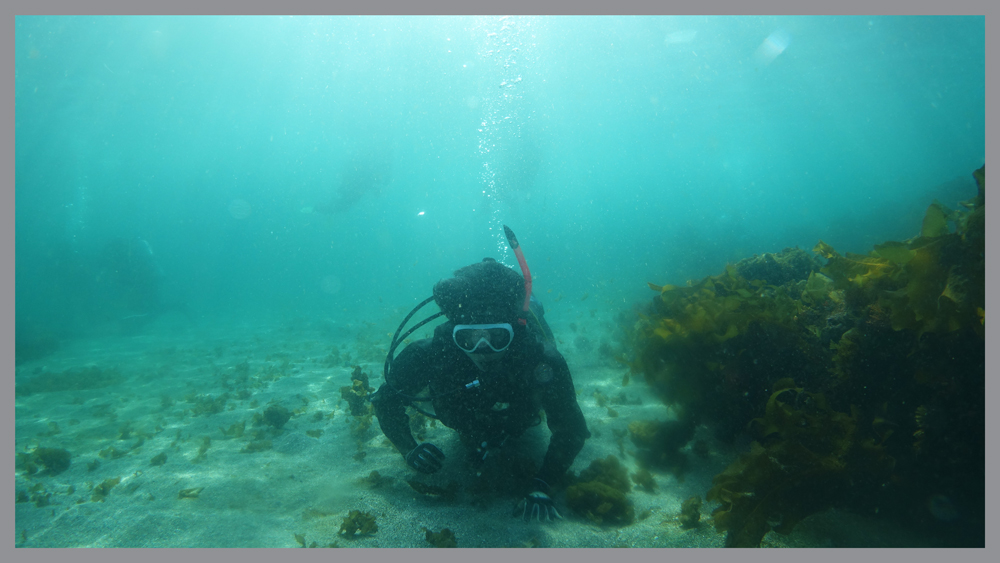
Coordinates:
[470,338]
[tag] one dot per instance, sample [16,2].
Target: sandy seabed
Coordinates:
[316,471]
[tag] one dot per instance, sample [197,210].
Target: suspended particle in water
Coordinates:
[331,284]
[239,209]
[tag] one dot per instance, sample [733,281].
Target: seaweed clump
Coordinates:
[864,379]
[357,522]
[235,430]
[276,416]
[357,393]
[357,397]
[444,538]
[206,405]
[609,471]
[690,515]
[599,493]
[102,490]
[914,363]
[712,349]
[809,456]
[52,460]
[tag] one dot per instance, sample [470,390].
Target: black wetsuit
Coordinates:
[532,376]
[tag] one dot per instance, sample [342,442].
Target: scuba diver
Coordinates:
[129,264]
[134,279]
[487,372]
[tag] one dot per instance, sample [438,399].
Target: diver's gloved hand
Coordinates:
[538,505]
[425,458]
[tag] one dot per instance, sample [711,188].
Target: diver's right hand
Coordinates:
[425,458]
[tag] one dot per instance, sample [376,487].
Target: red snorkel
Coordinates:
[512,241]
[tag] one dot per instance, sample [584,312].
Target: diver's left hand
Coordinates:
[537,505]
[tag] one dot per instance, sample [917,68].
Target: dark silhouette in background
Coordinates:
[132,279]
[365,174]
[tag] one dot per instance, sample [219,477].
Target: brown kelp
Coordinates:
[600,493]
[860,379]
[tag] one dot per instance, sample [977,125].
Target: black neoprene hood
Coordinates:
[485,292]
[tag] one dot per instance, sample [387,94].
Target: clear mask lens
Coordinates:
[484,337]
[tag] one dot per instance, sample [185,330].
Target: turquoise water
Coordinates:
[194,193]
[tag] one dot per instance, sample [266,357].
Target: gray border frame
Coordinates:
[960,7]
